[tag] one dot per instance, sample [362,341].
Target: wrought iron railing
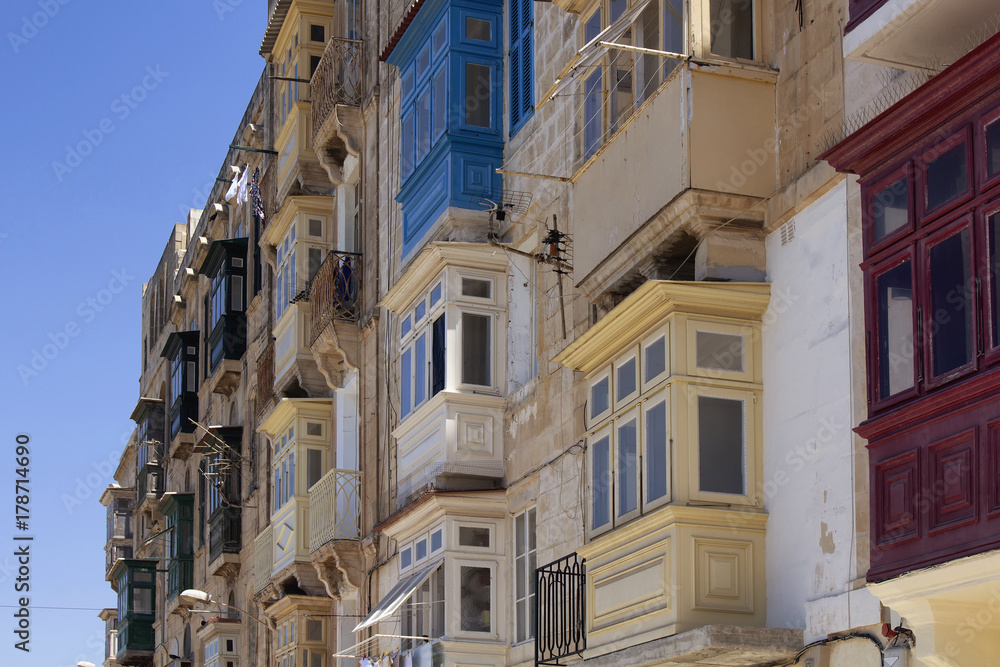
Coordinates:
[335,508]
[265,379]
[335,292]
[560,606]
[263,560]
[337,79]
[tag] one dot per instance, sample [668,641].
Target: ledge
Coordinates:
[226,377]
[709,645]
[181,446]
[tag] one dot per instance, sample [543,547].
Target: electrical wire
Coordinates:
[834,640]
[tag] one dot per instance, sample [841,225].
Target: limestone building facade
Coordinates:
[577,331]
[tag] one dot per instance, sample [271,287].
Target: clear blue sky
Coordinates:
[92,228]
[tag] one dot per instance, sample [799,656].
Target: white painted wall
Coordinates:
[808,485]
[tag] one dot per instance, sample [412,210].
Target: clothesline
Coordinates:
[347,652]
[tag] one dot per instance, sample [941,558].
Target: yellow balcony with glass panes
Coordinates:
[675,514]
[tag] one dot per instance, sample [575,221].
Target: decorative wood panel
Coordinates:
[951,480]
[896,484]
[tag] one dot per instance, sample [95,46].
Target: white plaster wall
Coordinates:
[808,485]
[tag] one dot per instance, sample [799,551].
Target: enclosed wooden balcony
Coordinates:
[265,379]
[263,562]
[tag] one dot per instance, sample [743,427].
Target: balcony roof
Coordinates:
[144,405]
[647,306]
[288,408]
[922,112]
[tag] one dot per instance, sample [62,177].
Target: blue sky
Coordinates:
[116,118]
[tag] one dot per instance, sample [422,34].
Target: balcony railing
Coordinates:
[269,194]
[560,605]
[337,79]
[335,291]
[335,508]
[265,379]
[263,560]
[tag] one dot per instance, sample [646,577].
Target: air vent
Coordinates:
[787,232]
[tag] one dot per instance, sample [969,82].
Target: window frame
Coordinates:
[525,563]
[454,583]
[654,400]
[696,325]
[748,399]
[521,48]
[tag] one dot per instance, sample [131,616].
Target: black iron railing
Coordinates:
[560,603]
[335,291]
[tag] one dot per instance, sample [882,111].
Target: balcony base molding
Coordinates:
[710,645]
[226,566]
[338,140]
[337,352]
[952,609]
[226,378]
[181,446]
[691,215]
[339,565]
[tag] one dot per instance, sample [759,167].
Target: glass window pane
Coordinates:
[593,112]
[993,250]
[314,466]
[531,531]
[601,483]
[407,145]
[890,208]
[437,539]
[440,36]
[423,125]
[648,36]
[315,227]
[314,630]
[628,467]
[476,349]
[946,176]
[625,383]
[420,370]
[142,600]
[519,534]
[440,101]
[951,303]
[654,358]
[720,351]
[477,95]
[732,28]
[476,585]
[405,327]
[405,377]
[477,29]
[436,294]
[405,558]
[423,62]
[438,335]
[657,465]
[522,633]
[894,296]
[317,33]
[406,85]
[617,8]
[720,445]
[673,32]
[420,550]
[993,148]
[476,288]
[238,293]
[420,311]
[471,536]
[599,397]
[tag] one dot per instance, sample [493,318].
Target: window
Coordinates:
[524,575]
[930,238]
[285,287]
[423,105]
[423,612]
[225,321]
[522,66]
[181,351]
[420,548]
[476,598]
[731,24]
[298,257]
[424,330]
[317,33]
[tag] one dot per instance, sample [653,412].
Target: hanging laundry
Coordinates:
[365,662]
[408,659]
[234,187]
[258,206]
[241,195]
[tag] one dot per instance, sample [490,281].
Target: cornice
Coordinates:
[653,301]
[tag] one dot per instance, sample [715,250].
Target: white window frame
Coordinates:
[648,404]
[458,525]
[591,418]
[453,596]
[525,562]
[646,384]
[619,368]
[633,414]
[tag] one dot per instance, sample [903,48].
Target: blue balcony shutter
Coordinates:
[521,63]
